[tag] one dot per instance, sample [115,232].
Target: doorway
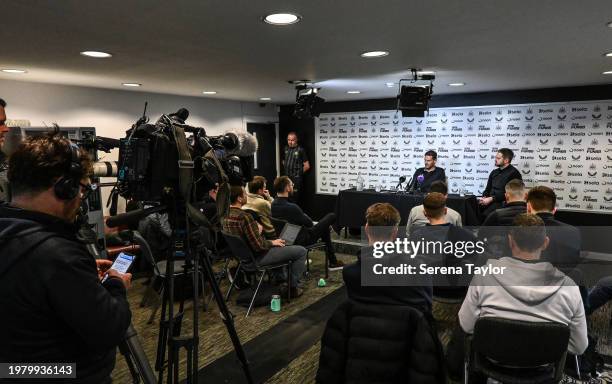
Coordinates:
[265,158]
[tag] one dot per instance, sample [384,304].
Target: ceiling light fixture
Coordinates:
[14,71]
[265,99]
[609,54]
[609,24]
[456,84]
[131,84]
[282,18]
[372,54]
[96,54]
[607,73]
[390,85]
[353,92]
[209,92]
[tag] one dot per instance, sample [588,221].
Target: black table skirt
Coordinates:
[351,206]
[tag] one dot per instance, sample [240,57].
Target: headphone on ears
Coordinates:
[68,187]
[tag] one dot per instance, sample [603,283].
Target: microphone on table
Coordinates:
[420,179]
[401,180]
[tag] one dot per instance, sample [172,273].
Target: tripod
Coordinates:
[194,246]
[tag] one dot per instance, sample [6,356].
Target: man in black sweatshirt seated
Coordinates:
[283,209]
[382,221]
[493,196]
[495,228]
[55,309]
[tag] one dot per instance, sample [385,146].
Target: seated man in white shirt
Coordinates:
[528,290]
[417,216]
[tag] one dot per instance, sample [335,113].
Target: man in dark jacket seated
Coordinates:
[495,228]
[382,220]
[439,230]
[382,334]
[55,309]
[565,240]
[493,196]
[284,209]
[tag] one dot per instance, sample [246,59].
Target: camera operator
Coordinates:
[54,306]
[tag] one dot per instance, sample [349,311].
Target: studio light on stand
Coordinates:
[413,99]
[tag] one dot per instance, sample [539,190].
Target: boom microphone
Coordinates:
[181,115]
[247,144]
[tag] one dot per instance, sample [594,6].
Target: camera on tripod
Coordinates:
[170,166]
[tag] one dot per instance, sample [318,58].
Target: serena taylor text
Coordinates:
[424,269]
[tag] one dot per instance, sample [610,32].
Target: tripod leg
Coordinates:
[155,308]
[228,318]
[204,301]
[125,351]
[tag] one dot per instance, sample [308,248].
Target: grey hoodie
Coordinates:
[528,291]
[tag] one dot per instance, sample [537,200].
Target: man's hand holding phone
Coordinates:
[118,269]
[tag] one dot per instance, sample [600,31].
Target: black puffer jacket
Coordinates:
[365,343]
[53,307]
[505,216]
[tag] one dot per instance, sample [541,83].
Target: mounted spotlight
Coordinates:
[413,99]
[307,103]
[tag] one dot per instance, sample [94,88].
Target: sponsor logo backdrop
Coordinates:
[567,146]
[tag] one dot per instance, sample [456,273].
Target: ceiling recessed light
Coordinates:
[607,73]
[13,70]
[209,92]
[131,84]
[456,84]
[609,54]
[390,85]
[96,54]
[427,72]
[371,54]
[265,98]
[282,18]
[353,92]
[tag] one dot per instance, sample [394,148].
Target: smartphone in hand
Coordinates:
[122,264]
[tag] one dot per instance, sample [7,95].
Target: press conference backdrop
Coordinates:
[567,146]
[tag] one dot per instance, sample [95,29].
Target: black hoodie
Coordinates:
[53,307]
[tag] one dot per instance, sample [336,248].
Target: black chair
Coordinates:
[159,276]
[279,224]
[248,263]
[517,352]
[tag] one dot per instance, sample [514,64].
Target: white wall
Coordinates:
[112,112]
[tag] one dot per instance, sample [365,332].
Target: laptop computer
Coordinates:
[290,233]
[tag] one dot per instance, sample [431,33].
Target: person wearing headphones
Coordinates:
[55,307]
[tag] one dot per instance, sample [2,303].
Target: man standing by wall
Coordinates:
[295,164]
[4,196]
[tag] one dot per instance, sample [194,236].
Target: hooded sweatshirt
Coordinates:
[527,291]
[53,306]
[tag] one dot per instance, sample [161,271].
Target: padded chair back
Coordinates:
[520,344]
[278,224]
[240,249]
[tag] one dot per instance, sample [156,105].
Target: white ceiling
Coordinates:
[184,47]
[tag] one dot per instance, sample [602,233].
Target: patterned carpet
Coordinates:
[215,342]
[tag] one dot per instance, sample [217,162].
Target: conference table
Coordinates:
[351,206]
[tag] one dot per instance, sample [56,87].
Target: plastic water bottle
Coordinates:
[360,183]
